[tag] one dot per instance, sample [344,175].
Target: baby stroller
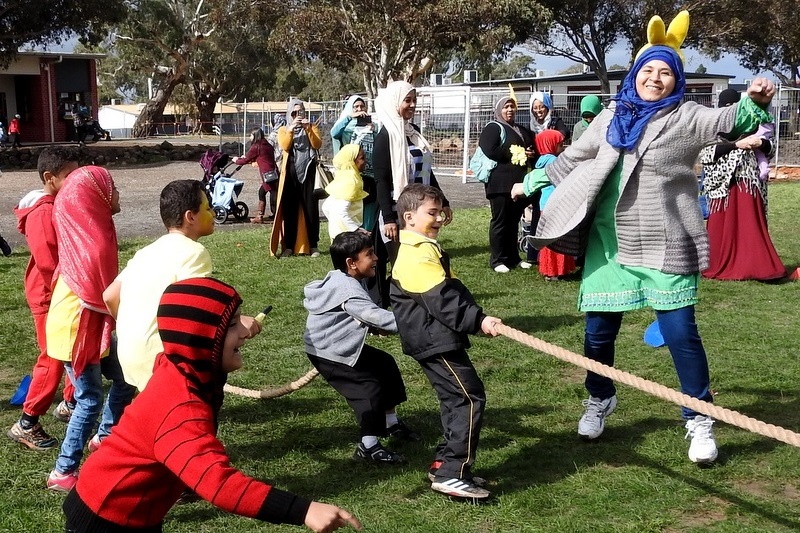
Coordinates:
[222,189]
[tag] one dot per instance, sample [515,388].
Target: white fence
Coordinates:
[786,110]
[451,119]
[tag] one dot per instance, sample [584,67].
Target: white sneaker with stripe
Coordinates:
[461,488]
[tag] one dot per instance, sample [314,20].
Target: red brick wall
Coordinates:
[37,128]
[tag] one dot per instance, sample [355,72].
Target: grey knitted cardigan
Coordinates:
[658,218]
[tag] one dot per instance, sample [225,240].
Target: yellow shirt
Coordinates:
[418,267]
[61,329]
[172,257]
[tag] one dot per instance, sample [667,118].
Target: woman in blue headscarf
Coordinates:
[626,196]
[542,116]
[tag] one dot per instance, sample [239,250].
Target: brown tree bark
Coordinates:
[153,112]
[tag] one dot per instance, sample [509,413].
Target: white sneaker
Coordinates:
[525,265]
[703,448]
[502,269]
[314,252]
[593,421]
[460,488]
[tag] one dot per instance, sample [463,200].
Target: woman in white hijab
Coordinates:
[400,156]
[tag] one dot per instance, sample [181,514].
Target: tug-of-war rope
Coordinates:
[268,394]
[659,391]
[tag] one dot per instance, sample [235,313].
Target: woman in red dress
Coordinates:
[739,241]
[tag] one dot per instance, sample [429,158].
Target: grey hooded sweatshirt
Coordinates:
[340,313]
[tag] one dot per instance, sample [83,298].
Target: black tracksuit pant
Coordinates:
[462,399]
[371,387]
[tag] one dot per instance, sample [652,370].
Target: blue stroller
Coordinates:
[223,190]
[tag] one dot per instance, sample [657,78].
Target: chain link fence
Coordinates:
[452,118]
[786,110]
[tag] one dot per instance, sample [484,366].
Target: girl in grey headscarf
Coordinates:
[296,226]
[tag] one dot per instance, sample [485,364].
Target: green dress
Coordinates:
[608,286]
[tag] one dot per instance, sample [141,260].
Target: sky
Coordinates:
[728,64]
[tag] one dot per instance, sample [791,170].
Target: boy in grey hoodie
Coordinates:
[340,315]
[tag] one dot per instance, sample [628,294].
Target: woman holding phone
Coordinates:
[296,226]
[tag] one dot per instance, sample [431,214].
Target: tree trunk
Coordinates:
[206,101]
[153,112]
[602,75]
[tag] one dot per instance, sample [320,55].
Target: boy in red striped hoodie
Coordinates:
[167,442]
[35,221]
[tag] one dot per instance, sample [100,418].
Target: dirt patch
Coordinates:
[785,173]
[141,186]
[713,511]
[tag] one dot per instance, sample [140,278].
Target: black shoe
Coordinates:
[4,247]
[188,496]
[400,431]
[378,454]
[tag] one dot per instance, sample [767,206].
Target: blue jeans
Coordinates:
[88,401]
[679,330]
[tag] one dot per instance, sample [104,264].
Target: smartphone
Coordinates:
[365,120]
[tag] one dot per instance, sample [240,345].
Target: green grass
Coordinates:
[637,478]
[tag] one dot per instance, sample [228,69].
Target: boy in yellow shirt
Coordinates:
[435,312]
[134,295]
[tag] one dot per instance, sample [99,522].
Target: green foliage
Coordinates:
[636,479]
[763,35]
[396,39]
[32,22]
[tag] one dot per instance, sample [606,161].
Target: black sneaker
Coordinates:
[460,488]
[4,247]
[400,431]
[378,454]
[188,496]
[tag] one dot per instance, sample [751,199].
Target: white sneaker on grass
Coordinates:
[703,448]
[501,269]
[460,488]
[593,421]
[525,265]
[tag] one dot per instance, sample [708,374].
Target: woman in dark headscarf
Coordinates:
[511,146]
[296,226]
[738,238]
[626,196]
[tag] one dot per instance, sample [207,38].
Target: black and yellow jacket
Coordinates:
[435,311]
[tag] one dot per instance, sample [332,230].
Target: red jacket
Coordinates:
[13,127]
[166,439]
[35,221]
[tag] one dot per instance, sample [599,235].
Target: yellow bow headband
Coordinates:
[673,36]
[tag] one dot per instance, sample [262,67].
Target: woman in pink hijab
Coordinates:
[79,325]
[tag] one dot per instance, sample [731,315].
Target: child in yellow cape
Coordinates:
[344,207]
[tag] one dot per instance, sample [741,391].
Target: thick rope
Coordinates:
[660,391]
[268,394]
